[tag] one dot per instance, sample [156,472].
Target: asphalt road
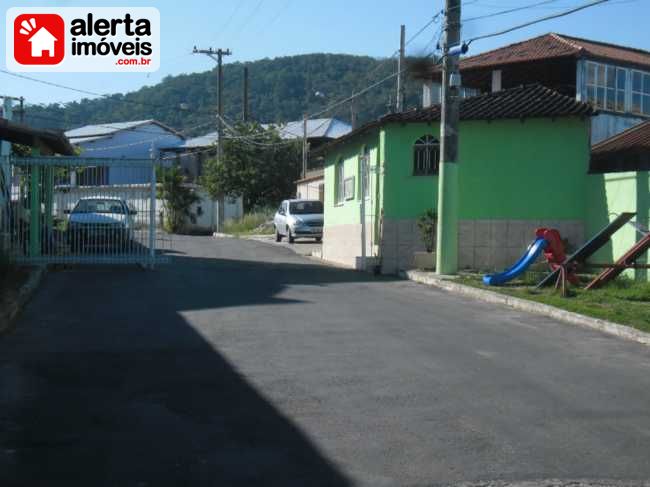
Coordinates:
[303,246]
[242,363]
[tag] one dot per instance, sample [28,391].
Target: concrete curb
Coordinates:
[13,308]
[604,326]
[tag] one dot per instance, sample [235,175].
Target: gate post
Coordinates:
[152,214]
[35,208]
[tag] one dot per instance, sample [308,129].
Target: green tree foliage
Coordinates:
[257,165]
[281,90]
[177,198]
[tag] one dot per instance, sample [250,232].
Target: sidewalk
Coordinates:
[449,284]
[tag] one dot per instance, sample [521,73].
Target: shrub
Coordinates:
[427,223]
[252,222]
[177,198]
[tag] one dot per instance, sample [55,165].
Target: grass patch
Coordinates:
[622,301]
[254,223]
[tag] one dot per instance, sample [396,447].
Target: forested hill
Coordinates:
[281,89]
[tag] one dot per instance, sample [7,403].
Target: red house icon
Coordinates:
[39,39]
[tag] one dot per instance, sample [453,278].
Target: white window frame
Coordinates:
[348,188]
[623,98]
[603,92]
[364,173]
[339,176]
[644,96]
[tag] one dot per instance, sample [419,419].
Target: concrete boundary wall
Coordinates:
[484,245]
[487,245]
[342,245]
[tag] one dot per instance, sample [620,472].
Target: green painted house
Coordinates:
[524,157]
[619,181]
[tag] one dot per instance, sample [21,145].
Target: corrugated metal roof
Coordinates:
[331,128]
[531,101]
[88,133]
[317,128]
[627,151]
[201,141]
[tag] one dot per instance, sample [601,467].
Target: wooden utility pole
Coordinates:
[447,233]
[305,147]
[399,101]
[245,96]
[218,57]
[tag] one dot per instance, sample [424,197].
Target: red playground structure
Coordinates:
[555,254]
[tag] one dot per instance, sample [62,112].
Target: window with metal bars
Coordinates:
[426,156]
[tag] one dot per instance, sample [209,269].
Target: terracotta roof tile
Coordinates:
[627,151]
[553,45]
[531,101]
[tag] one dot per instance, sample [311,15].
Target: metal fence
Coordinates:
[74,210]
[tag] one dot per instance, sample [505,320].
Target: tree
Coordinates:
[281,90]
[257,164]
[177,198]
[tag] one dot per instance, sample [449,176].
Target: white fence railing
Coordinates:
[71,210]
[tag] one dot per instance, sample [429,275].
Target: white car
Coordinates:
[298,219]
[98,221]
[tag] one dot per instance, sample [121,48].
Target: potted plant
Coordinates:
[427,223]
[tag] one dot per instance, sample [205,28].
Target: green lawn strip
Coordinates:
[622,301]
[250,224]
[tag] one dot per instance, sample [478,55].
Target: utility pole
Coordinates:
[353,112]
[7,112]
[399,102]
[447,228]
[245,96]
[305,147]
[21,101]
[218,57]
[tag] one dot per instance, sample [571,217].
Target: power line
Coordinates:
[536,21]
[275,18]
[365,90]
[511,10]
[225,25]
[248,19]
[355,95]
[93,93]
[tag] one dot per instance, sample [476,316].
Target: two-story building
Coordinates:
[614,79]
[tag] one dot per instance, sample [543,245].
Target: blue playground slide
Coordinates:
[532,253]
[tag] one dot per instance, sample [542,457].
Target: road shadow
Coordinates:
[104,383]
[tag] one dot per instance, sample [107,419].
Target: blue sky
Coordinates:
[255,29]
